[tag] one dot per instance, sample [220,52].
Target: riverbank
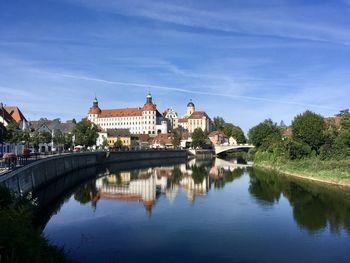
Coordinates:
[330,172]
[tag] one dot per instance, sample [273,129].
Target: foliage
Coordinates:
[14,133]
[3,133]
[85,133]
[85,193]
[39,137]
[20,242]
[219,123]
[176,137]
[104,143]
[264,133]
[309,128]
[118,143]
[236,132]
[345,121]
[297,150]
[198,138]
[176,175]
[198,174]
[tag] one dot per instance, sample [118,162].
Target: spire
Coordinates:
[149,98]
[95,102]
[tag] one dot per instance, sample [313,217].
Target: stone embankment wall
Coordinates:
[38,174]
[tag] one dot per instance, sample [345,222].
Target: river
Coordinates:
[198,211]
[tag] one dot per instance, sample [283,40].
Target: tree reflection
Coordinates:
[86,193]
[314,206]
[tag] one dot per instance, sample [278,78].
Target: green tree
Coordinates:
[176,137]
[14,134]
[68,140]
[3,133]
[198,138]
[297,150]
[118,144]
[45,137]
[345,121]
[236,132]
[104,143]
[59,139]
[86,133]
[264,134]
[219,123]
[35,140]
[309,128]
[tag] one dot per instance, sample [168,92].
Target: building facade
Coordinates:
[195,119]
[141,120]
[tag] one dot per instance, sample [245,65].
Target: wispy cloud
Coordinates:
[166,88]
[265,21]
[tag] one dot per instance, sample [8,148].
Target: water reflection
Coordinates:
[148,184]
[315,206]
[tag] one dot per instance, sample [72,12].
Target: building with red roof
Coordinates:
[141,120]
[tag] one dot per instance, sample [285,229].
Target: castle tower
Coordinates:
[94,111]
[190,108]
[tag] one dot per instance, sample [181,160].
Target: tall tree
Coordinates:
[219,123]
[345,122]
[14,134]
[59,139]
[198,138]
[85,133]
[236,132]
[118,143]
[176,137]
[264,133]
[308,127]
[3,133]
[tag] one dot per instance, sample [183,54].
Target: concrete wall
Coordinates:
[41,173]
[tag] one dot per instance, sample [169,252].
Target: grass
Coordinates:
[329,171]
[19,240]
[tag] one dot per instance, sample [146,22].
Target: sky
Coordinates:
[244,60]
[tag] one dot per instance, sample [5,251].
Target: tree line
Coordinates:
[311,135]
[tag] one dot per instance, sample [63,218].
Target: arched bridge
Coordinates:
[225,148]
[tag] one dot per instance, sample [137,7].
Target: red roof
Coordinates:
[121,112]
[142,137]
[95,110]
[149,106]
[163,138]
[335,120]
[3,113]
[182,120]
[288,132]
[15,113]
[198,115]
[218,132]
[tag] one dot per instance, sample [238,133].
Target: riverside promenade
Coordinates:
[40,173]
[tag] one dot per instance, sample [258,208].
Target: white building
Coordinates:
[172,117]
[195,119]
[145,120]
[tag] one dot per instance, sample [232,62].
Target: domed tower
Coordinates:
[149,106]
[94,111]
[190,108]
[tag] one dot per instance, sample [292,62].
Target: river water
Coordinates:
[199,211]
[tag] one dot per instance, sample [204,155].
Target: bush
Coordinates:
[297,150]
[19,241]
[309,128]
[264,133]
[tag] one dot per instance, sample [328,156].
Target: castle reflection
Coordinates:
[145,186]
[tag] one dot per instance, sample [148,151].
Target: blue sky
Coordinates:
[243,60]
